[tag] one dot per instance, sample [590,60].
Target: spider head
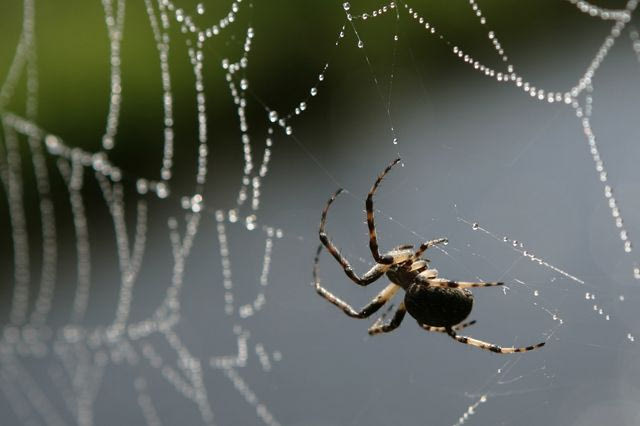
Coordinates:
[402,274]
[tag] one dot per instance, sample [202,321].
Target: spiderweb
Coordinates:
[170,284]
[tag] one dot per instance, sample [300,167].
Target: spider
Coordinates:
[437,304]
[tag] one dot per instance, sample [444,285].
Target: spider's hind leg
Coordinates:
[429,280]
[490,346]
[444,329]
[380,326]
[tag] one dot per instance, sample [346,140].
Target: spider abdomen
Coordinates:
[438,306]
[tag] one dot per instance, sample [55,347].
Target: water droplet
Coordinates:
[313,91]
[303,106]
[142,186]
[475,226]
[536,293]
[233,215]
[250,222]
[395,141]
[346,5]
[273,116]
[185,202]
[161,190]
[179,15]
[360,44]
[288,130]
[200,9]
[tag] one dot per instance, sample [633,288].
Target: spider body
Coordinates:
[437,304]
[433,306]
[402,275]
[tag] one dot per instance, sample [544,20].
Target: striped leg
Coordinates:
[384,327]
[427,278]
[444,329]
[490,346]
[387,293]
[424,246]
[373,239]
[373,274]
[419,266]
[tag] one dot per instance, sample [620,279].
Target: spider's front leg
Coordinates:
[373,274]
[386,259]
[383,297]
[427,245]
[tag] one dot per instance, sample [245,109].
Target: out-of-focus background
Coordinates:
[163,166]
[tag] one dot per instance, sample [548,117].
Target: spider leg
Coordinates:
[426,245]
[444,329]
[384,327]
[419,266]
[381,298]
[490,346]
[427,279]
[373,274]
[373,239]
